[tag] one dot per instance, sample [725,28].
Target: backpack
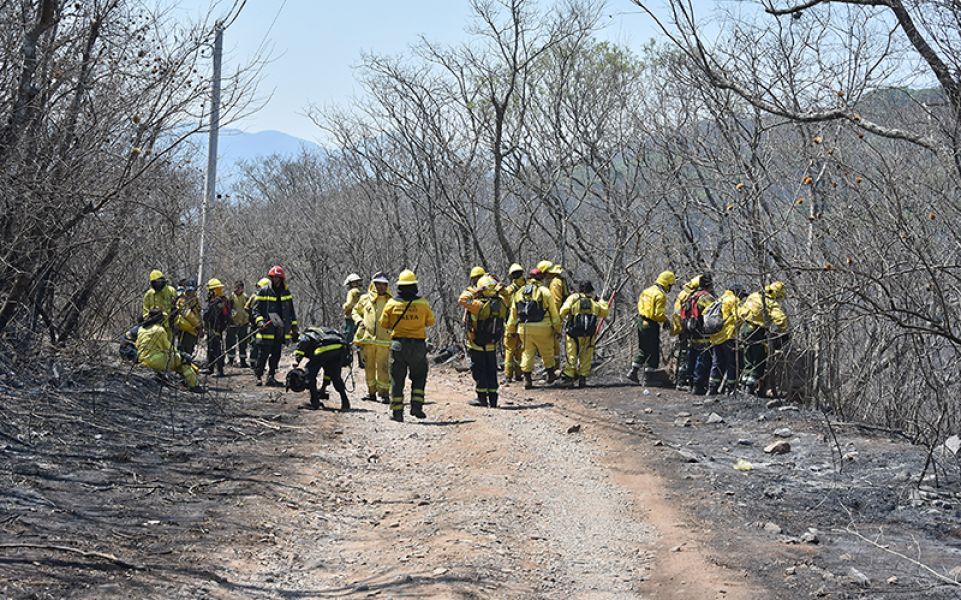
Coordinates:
[490,329]
[529,310]
[692,321]
[327,336]
[713,318]
[583,324]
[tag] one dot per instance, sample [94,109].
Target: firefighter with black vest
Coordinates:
[325,349]
[583,312]
[274,300]
[534,322]
[486,312]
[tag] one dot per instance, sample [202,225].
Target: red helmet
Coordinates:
[277,271]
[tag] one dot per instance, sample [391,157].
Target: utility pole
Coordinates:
[211,179]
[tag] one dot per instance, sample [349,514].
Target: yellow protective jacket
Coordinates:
[538,293]
[188,315]
[407,319]
[486,315]
[752,311]
[572,306]
[154,349]
[366,315]
[729,306]
[238,310]
[652,304]
[559,291]
[689,288]
[353,297]
[165,300]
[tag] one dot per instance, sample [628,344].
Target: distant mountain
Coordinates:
[235,146]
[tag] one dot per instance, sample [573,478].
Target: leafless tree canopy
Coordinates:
[815,142]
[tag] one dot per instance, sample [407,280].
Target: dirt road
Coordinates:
[470,503]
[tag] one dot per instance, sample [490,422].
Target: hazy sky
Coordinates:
[316,44]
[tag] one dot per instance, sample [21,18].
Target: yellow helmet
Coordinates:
[693,284]
[487,283]
[556,269]
[214,284]
[156,274]
[775,290]
[478,272]
[544,266]
[263,282]
[515,271]
[667,278]
[406,277]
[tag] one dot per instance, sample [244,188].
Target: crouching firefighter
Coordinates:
[155,351]
[583,312]
[486,312]
[325,349]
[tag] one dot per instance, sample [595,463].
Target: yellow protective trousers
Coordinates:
[537,339]
[171,361]
[375,368]
[512,356]
[580,354]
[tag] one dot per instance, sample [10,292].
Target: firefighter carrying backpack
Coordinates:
[530,310]
[584,323]
[327,336]
[489,328]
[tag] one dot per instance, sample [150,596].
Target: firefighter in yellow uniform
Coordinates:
[535,322]
[512,343]
[352,283]
[761,314]
[682,378]
[373,339]
[557,284]
[724,358]
[187,320]
[407,317]
[162,296]
[651,317]
[583,312]
[487,312]
[155,351]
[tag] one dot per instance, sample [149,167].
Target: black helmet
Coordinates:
[585,287]
[297,380]
[739,290]
[707,281]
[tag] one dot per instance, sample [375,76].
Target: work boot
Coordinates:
[632,374]
[344,403]
[582,382]
[198,389]
[528,381]
[567,382]
[220,373]
[699,390]
[230,362]
[272,381]
[315,403]
[518,376]
[481,400]
[243,363]
[371,397]
[492,399]
[551,375]
[260,380]
[417,410]
[384,398]
[712,390]
[397,415]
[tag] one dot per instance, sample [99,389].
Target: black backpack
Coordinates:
[529,310]
[491,329]
[583,324]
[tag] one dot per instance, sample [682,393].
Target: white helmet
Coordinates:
[352,278]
